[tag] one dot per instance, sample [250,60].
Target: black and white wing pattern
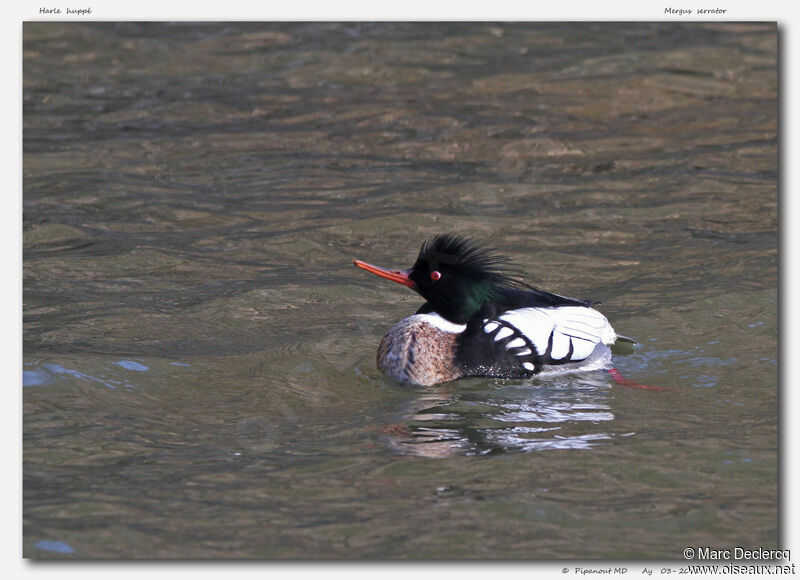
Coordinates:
[539,337]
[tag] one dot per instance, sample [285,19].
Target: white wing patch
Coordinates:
[575,331]
[503,333]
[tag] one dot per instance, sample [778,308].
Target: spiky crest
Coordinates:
[469,258]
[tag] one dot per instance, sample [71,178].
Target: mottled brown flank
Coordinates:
[416,352]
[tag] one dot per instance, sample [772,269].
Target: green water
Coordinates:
[199,366]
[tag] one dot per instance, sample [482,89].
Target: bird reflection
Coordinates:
[485,417]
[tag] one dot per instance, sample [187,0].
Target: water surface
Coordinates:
[199,374]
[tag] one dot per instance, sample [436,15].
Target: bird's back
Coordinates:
[521,337]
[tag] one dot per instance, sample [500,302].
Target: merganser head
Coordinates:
[453,274]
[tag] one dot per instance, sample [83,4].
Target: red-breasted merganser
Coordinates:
[478,321]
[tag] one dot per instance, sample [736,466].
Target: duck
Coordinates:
[480,320]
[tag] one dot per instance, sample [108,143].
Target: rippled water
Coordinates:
[199,373]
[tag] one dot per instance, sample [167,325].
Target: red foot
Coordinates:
[618,378]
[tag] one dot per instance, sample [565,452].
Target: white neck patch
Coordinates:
[442,324]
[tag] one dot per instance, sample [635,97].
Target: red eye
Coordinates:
[435,275]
